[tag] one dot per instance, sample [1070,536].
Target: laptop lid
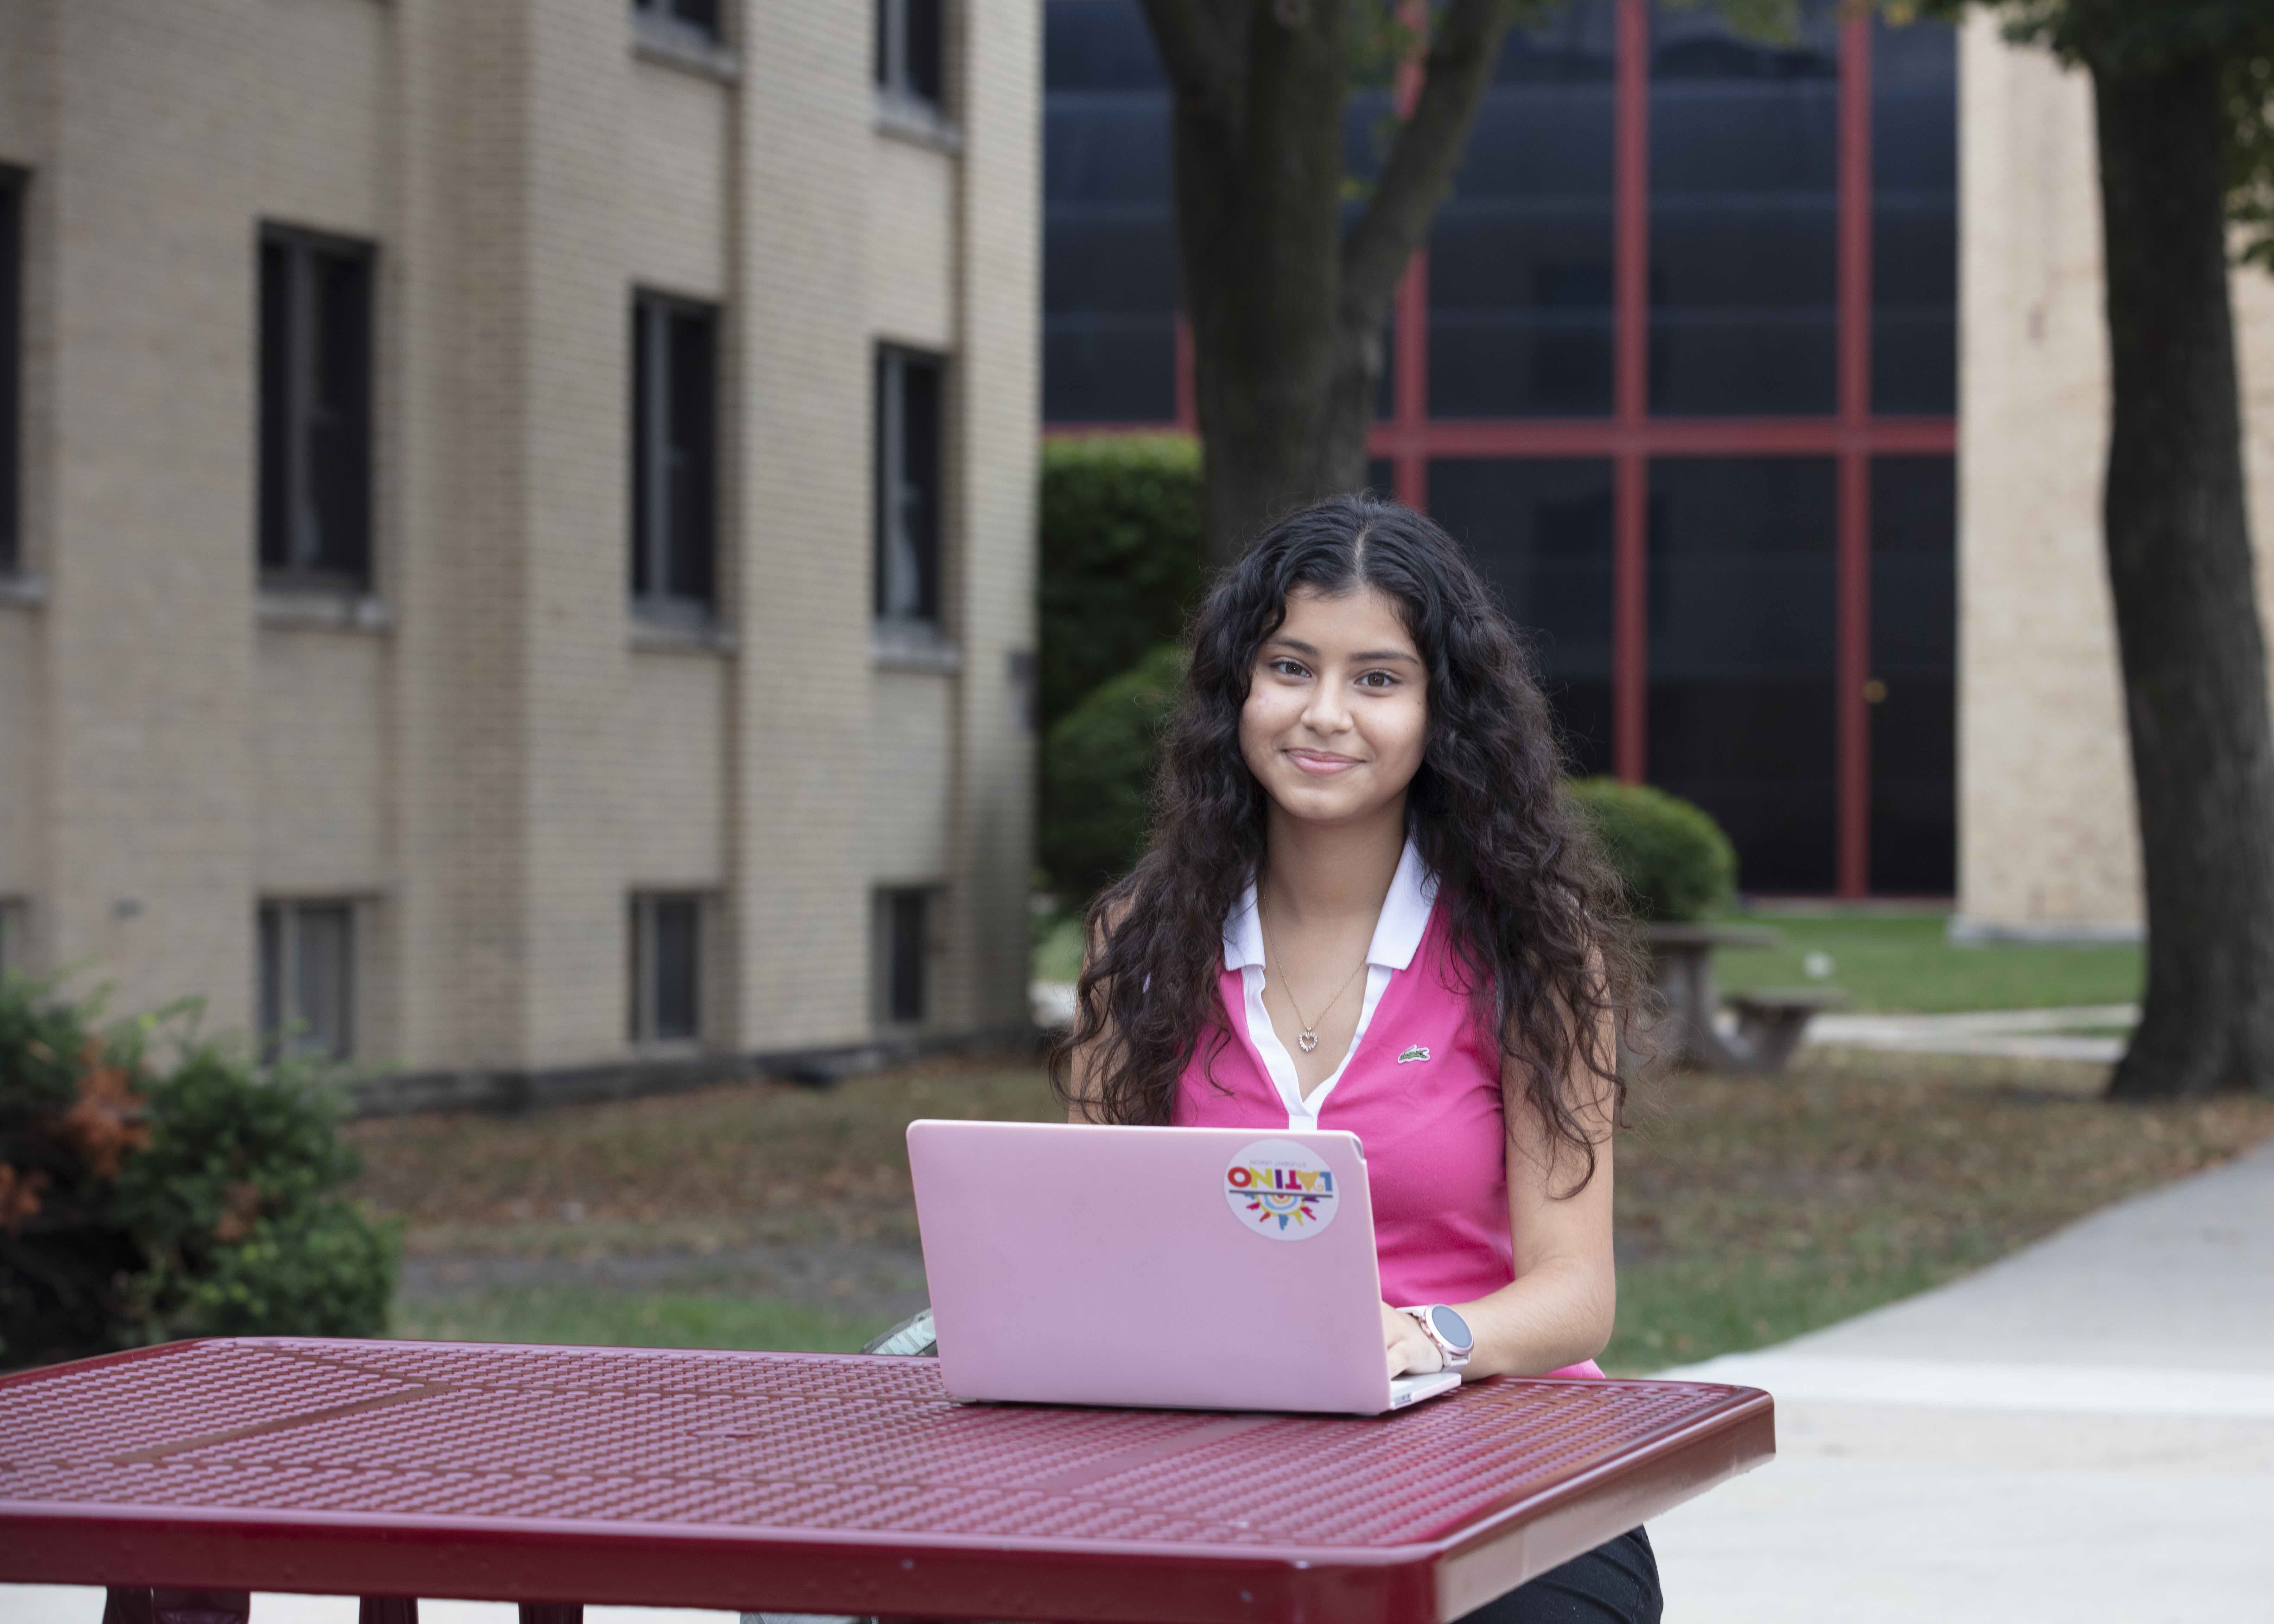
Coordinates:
[1209,1268]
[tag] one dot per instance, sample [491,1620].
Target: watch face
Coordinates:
[1452,1328]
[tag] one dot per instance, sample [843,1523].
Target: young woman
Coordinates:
[1366,906]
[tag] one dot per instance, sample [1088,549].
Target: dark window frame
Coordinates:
[15,935]
[294,339]
[674,550]
[910,487]
[283,1001]
[12,186]
[658,1014]
[702,22]
[911,63]
[907,924]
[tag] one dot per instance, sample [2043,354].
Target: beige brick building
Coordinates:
[2046,839]
[449,610]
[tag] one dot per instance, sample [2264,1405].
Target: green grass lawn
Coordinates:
[1749,1209]
[603,1318]
[1901,963]
[1906,963]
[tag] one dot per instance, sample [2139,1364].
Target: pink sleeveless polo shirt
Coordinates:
[1420,1088]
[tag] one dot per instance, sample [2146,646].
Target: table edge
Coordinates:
[343,1552]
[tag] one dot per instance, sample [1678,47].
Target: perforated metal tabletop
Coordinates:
[816,1484]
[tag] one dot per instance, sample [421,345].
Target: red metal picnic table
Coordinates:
[814,1482]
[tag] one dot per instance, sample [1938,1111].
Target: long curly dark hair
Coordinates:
[1536,919]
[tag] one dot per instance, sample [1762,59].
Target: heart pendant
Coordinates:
[1308,1040]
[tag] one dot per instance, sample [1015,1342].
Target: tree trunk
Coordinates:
[2180,563]
[1282,402]
[1287,308]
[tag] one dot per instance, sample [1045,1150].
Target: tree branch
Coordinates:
[1463,46]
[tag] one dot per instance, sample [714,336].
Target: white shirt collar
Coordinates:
[1396,933]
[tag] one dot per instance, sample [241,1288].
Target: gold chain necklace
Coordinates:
[1307,1034]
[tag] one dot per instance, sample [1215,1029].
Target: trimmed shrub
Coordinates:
[1122,545]
[138,1206]
[1098,775]
[1678,864]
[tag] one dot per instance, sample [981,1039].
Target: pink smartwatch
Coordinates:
[1451,1333]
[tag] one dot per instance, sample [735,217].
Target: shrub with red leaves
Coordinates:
[140,1203]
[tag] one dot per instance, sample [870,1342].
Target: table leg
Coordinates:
[387,1610]
[1685,980]
[126,1603]
[553,1613]
[185,1606]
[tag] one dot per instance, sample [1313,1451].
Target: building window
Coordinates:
[1913,689]
[674,457]
[11,253]
[315,411]
[1743,665]
[1520,254]
[1109,233]
[1538,529]
[1914,219]
[908,49]
[667,968]
[1744,144]
[307,979]
[15,943]
[698,18]
[904,955]
[907,487]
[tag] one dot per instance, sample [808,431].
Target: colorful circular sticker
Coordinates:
[1281,1191]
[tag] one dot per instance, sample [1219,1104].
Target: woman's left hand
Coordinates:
[1411,1353]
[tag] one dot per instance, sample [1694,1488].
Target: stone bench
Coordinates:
[1771,1021]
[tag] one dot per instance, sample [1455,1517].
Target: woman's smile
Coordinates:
[1337,713]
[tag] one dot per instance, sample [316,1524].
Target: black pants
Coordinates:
[1615,1583]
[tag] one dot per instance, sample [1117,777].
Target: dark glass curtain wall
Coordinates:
[1108,232]
[1677,365]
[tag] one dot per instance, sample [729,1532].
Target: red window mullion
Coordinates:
[1853,540]
[1704,437]
[1188,409]
[1410,389]
[1630,395]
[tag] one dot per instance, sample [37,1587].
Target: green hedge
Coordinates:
[138,1205]
[1122,546]
[1676,862]
[1098,775]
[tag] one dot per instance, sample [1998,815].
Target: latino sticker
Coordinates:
[1280,1190]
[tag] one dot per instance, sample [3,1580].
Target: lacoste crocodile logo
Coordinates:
[1415,1052]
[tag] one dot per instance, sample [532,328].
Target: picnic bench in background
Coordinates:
[811,1483]
[1771,1021]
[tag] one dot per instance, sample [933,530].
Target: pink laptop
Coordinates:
[1184,1268]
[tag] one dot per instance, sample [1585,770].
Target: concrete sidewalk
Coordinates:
[2083,1431]
[2076,1033]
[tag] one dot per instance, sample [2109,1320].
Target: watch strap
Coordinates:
[1454,1358]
